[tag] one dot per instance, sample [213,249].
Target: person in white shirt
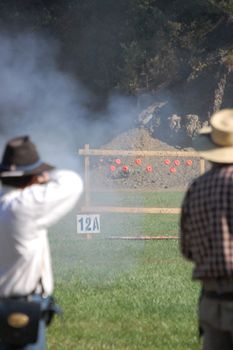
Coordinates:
[34,196]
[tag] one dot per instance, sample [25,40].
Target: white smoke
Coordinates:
[38,99]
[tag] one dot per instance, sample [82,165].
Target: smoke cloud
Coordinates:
[38,99]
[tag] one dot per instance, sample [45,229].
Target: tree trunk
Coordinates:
[219,92]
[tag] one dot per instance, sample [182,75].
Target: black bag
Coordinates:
[19,321]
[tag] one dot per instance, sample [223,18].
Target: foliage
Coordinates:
[227,58]
[225,6]
[133,45]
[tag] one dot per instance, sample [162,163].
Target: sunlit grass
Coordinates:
[138,199]
[121,294]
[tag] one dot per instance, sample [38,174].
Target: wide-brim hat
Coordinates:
[215,143]
[21,158]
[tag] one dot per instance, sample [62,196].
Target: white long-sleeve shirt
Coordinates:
[25,215]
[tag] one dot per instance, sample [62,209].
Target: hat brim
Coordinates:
[208,150]
[19,173]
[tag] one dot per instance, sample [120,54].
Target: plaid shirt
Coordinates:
[206,236]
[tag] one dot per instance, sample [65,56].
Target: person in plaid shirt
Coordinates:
[206,231]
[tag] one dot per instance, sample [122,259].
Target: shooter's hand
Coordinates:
[43,178]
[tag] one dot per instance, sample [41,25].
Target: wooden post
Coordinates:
[202,166]
[87,176]
[87,181]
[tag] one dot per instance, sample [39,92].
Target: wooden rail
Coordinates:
[107,152]
[130,210]
[142,238]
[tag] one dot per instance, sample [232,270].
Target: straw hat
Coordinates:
[215,143]
[20,158]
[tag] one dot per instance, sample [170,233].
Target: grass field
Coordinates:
[124,294]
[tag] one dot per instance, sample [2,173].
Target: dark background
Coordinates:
[135,46]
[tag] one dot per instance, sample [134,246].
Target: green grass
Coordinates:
[138,199]
[121,294]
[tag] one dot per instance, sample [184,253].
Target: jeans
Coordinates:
[215,339]
[216,321]
[40,343]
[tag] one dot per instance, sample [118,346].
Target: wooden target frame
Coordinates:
[87,153]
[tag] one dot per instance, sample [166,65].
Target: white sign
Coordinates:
[88,223]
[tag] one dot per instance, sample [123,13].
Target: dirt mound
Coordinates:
[124,172]
[137,139]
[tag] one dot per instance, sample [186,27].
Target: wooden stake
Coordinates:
[202,166]
[87,175]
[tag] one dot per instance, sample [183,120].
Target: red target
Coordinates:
[189,162]
[138,161]
[125,169]
[149,169]
[118,161]
[112,168]
[167,162]
[177,162]
[172,170]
